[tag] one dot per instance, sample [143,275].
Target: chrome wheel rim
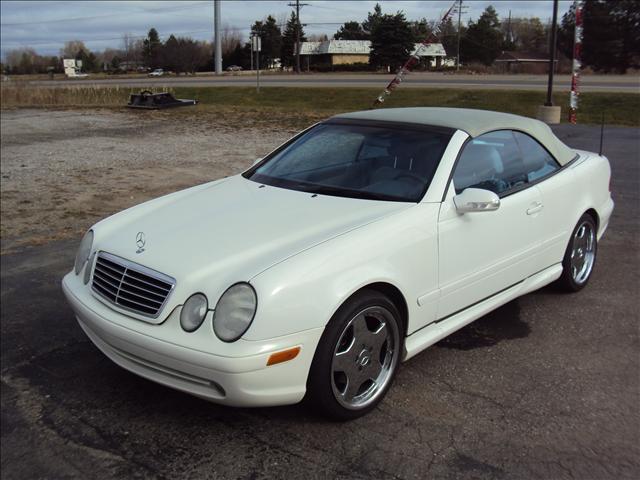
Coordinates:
[364,358]
[583,252]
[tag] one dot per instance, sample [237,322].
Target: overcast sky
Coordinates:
[45,25]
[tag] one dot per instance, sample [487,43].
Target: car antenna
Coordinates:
[601,134]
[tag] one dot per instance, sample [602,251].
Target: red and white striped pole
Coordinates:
[413,59]
[577,55]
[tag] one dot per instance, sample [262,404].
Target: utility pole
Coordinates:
[460,10]
[216,37]
[549,113]
[298,31]
[552,53]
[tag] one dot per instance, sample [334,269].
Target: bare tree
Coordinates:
[26,60]
[131,49]
[72,48]
[229,39]
[128,47]
[525,34]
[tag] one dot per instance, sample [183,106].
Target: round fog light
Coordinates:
[193,312]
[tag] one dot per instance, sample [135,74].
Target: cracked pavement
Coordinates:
[548,386]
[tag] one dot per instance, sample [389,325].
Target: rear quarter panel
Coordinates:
[579,187]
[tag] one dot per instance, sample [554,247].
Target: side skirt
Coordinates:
[436,331]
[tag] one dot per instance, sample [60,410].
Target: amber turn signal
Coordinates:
[283,356]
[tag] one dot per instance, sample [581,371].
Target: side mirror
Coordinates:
[256,161]
[476,200]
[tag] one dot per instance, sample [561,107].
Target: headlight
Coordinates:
[193,312]
[234,312]
[83,251]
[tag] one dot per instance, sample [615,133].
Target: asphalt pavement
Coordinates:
[588,83]
[548,386]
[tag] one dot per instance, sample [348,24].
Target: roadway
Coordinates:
[589,83]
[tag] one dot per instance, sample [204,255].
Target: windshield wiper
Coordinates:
[347,192]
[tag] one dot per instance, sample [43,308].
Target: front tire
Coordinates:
[357,357]
[580,256]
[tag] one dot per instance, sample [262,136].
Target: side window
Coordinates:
[538,162]
[491,161]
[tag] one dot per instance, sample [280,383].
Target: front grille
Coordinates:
[131,286]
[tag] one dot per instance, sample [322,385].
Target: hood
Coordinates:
[213,235]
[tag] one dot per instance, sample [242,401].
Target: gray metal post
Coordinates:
[258,67]
[459,22]
[216,36]
[298,36]
[552,54]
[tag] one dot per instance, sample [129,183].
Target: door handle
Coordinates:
[535,208]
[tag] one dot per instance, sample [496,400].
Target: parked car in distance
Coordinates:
[158,72]
[352,247]
[234,68]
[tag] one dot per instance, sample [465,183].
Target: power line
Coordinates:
[110,15]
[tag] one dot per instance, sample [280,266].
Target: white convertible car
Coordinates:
[352,247]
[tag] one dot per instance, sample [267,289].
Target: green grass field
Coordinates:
[619,108]
[313,103]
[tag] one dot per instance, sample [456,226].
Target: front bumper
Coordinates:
[243,380]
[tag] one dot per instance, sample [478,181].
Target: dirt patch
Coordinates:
[64,170]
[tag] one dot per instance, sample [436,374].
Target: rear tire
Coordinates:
[580,256]
[357,357]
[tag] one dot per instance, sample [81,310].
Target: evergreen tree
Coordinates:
[449,37]
[392,41]
[372,19]
[151,49]
[238,57]
[115,63]
[271,38]
[288,58]
[170,53]
[89,61]
[422,30]
[351,31]
[483,39]
[611,35]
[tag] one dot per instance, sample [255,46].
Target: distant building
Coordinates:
[131,65]
[515,61]
[348,52]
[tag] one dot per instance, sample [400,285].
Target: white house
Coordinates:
[344,52]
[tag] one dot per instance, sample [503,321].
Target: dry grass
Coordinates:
[297,106]
[19,95]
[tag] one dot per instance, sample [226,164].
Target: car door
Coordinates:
[556,220]
[483,253]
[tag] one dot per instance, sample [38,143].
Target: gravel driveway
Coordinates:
[64,170]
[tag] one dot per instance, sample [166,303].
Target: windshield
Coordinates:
[382,161]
